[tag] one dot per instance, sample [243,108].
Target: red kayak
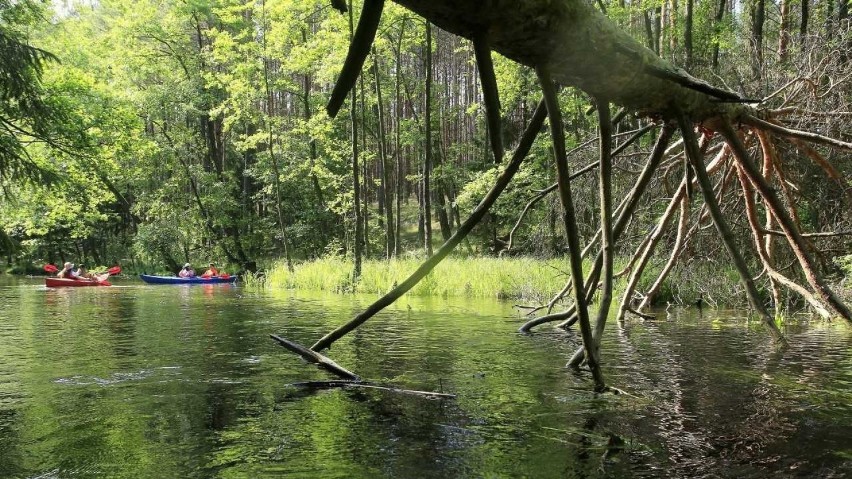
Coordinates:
[62,282]
[98,280]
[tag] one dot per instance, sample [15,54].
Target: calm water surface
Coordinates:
[175,381]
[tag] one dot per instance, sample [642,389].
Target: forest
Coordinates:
[152,133]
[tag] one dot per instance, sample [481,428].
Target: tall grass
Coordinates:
[503,278]
[519,278]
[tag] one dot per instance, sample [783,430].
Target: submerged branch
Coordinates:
[316,358]
[363,385]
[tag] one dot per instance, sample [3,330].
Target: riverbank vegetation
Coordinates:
[482,277]
[525,281]
[153,133]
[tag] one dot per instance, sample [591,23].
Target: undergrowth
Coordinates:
[518,278]
[501,278]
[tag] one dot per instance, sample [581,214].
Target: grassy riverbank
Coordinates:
[518,278]
[502,278]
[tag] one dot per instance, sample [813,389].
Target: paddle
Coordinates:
[218,276]
[51,268]
[102,277]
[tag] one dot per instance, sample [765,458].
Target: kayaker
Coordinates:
[211,271]
[66,271]
[82,272]
[187,271]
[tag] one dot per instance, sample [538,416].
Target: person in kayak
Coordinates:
[211,271]
[82,272]
[67,271]
[187,271]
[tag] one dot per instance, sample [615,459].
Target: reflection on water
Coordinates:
[176,381]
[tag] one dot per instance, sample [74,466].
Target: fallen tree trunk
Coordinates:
[572,43]
[582,48]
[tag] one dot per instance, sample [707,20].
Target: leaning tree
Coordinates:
[571,43]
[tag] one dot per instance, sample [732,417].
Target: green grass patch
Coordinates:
[484,277]
[527,279]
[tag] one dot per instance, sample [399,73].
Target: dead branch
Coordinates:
[751,213]
[677,248]
[316,358]
[791,133]
[629,206]
[641,314]
[722,227]
[607,240]
[582,171]
[488,81]
[794,237]
[557,133]
[366,385]
[820,234]
[826,166]
[359,48]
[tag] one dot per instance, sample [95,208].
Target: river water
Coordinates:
[176,381]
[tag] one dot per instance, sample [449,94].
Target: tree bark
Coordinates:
[758,16]
[557,133]
[687,33]
[356,183]
[720,14]
[400,172]
[427,161]
[784,32]
[581,48]
[383,157]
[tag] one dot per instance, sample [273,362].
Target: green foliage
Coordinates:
[27,114]
[845,263]
[499,278]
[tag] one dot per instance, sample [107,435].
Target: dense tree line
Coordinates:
[177,131]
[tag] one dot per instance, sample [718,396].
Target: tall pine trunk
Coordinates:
[427,160]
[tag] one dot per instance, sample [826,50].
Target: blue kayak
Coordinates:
[150,279]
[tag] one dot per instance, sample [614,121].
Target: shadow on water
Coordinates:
[162,381]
